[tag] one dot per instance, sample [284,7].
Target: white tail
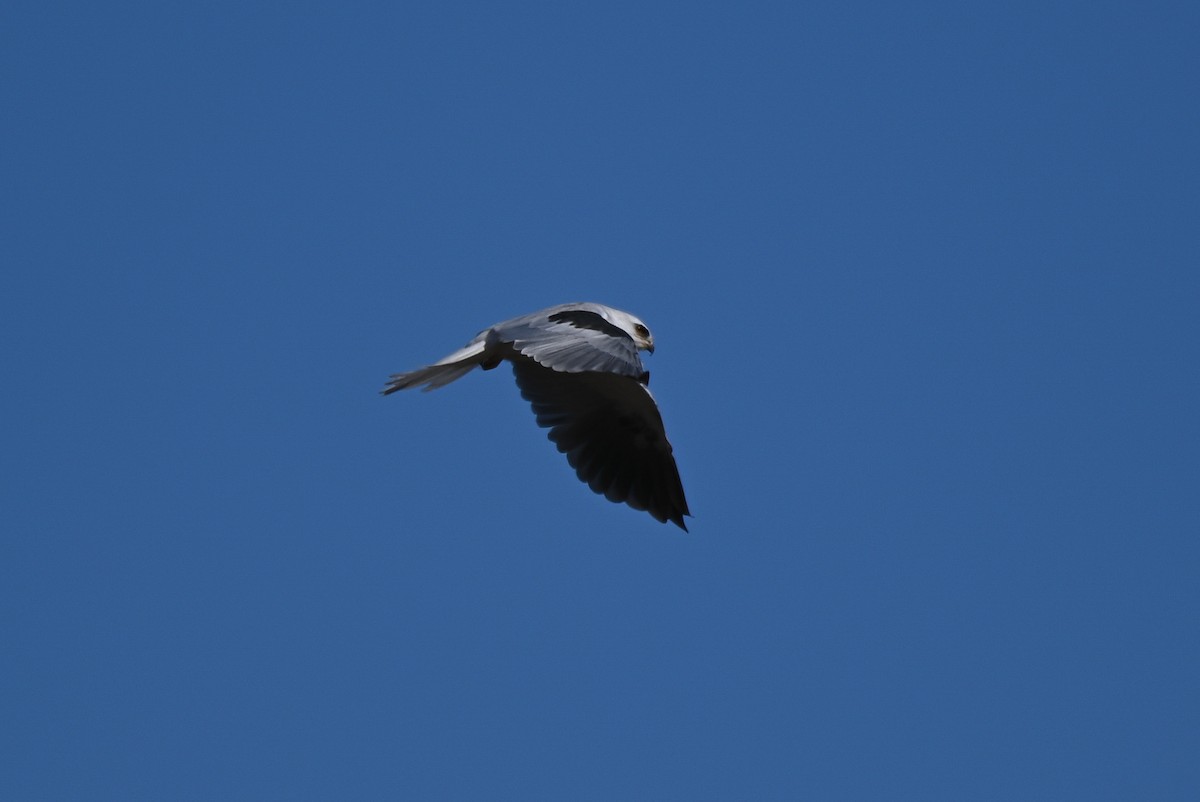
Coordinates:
[442,372]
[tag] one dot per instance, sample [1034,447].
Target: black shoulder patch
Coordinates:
[582,319]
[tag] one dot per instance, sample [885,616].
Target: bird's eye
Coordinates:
[641,330]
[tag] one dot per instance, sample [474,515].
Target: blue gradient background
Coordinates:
[924,284]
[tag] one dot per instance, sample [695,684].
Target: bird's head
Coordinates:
[635,328]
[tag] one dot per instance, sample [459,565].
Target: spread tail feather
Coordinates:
[440,373]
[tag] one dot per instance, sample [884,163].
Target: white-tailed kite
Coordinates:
[578,366]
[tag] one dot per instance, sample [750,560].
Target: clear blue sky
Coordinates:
[924,281]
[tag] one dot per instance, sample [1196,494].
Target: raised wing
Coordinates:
[572,339]
[611,431]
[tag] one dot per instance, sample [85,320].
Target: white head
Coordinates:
[632,326]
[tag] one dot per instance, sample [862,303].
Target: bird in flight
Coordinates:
[579,368]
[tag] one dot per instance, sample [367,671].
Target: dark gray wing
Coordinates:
[572,338]
[612,433]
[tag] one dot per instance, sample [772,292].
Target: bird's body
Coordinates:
[578,366]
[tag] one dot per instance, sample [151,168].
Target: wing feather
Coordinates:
[573,339]
[611,432]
